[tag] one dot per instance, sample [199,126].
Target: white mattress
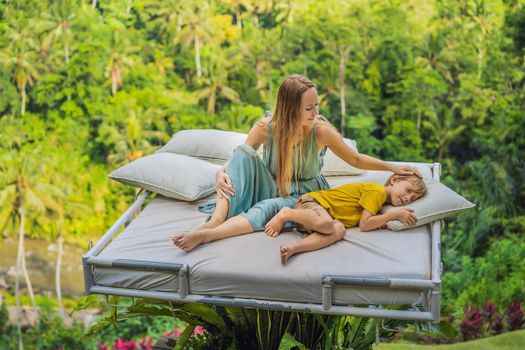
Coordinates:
[249,266]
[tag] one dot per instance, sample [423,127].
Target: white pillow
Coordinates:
[171,175]
[334,166]
[439,202]
[215,146]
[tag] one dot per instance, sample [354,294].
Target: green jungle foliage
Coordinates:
[51,333]
[87,86]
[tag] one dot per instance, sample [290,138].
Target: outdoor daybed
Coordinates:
[352,277]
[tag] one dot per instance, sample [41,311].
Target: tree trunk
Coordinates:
[342,99]
[29,286]
[23,107]
[198,56]
[179,24]
[128,9]
[342,64]
[94,4]
[238,17]
[480,55]
[66,52]
[270,86]
[17,279]
[116,77]
[57,277]
[211,100]
[259,75]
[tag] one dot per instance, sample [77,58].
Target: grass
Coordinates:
[507,341]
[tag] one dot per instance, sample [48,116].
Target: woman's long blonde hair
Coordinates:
[286,125]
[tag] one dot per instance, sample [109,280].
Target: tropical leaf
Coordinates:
[288,342]
[144,308]
[443,329]
[241,317]
[183,339]
[206,313]
[7,197]
[264,325]
[86,302]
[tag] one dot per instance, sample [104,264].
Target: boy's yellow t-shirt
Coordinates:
[345,203]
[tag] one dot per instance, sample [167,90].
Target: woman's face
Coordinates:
[309,107]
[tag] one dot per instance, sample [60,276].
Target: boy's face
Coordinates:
[402,193]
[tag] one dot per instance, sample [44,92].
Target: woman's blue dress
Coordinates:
[256,193]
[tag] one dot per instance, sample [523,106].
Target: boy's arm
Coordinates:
[370,222]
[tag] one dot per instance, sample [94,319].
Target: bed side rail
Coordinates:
[108,236]
[399,283]
[370,311]
[144,265]
[122,221]
[437,266]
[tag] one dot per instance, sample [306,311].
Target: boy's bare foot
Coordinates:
[274,226]
[188,241]
[286,253]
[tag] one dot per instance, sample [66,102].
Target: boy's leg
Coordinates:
[308,218]
[307,213]
[314,241]
[235,226]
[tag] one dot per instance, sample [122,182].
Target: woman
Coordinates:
[250,191]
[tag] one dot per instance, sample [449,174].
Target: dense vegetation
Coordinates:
[87,86]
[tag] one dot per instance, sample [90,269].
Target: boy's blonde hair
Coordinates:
[416,183]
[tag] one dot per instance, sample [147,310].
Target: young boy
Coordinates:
[326,214]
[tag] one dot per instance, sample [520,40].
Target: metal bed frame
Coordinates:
[431,287]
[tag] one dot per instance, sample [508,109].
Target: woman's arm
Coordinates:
[329,136]
[256,137]
[257,134]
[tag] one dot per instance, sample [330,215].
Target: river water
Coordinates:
[41,261]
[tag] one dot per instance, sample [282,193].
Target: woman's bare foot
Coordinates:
[189,241]
[274,226]
[286,253]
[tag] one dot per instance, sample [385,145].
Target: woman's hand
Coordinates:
[224,185]
[405,170]
[405,215]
